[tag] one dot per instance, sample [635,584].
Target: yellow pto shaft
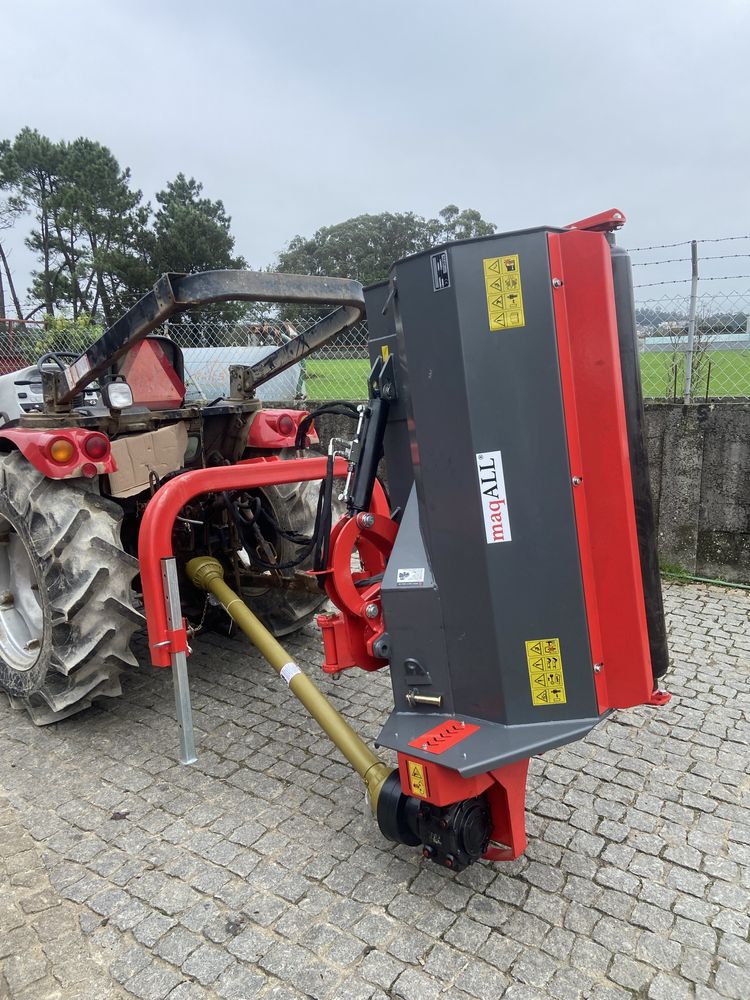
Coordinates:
[207,574]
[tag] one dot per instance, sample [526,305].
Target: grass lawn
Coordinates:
[340,379]
[730,376]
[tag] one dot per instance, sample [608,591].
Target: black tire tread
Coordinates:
[74,537]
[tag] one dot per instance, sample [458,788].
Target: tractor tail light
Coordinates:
[96,446]
[61,450]
[285,424]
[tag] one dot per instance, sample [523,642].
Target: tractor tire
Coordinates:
[293,506]
[66,606]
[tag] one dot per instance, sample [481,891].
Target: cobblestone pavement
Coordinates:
[257,872]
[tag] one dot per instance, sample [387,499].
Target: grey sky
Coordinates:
[301,114]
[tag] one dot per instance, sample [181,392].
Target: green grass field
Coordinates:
[340,379]
[729,376]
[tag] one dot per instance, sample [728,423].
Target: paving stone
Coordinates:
[239,983]
[666,987]
[414,985]
[176,945]
[732,981]
[24,969]
[153,983]
[630,973]
[256,873]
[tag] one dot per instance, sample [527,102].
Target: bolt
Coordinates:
[557,282]
[424,746]
[365,520]
[577,480]
[372,611]
[598,668]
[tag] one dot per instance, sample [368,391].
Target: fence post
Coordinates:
[691,320]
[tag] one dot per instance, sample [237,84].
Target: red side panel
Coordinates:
[276,429]
[597,438]
[35,448]
[151,377]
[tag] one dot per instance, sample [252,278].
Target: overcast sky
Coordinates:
[302,114]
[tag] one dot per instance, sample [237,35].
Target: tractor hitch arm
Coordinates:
[175,293]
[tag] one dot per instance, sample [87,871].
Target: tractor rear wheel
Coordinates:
[66,609]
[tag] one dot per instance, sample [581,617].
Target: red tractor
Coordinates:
[86,441]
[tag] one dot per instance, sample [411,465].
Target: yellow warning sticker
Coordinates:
[546,677]
[384,352]
[417,778]
[502,285]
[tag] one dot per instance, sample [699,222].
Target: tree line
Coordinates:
[99,246]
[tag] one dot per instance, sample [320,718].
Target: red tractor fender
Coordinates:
[91,455]
[276,429]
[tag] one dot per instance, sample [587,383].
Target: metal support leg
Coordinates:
[179,665]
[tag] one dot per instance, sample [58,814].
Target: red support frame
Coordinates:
[155,538]
[591,379]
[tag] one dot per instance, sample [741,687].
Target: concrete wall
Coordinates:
[699,459]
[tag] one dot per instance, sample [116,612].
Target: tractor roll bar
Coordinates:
[175,293]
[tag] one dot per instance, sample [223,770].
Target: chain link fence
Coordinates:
[718,357]
[689,342]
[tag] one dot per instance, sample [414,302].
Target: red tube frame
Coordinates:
[155,537]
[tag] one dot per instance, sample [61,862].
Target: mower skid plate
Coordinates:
[487,747]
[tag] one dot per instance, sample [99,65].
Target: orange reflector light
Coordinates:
[61,450]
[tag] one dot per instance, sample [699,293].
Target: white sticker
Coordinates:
[77,371]
[494,499]
[288,671]
[410,577]
[441,275]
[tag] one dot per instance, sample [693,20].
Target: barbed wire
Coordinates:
[687,243]
[679,260]
[683,281]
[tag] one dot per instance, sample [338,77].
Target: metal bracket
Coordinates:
[178,655]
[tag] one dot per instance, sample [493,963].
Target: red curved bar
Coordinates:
[155,538]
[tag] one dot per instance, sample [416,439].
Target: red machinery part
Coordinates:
[278,429]
[586,327]
[152,377]
[155,538]
[35,448]
[505,789]
[602,222]
[350,634]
